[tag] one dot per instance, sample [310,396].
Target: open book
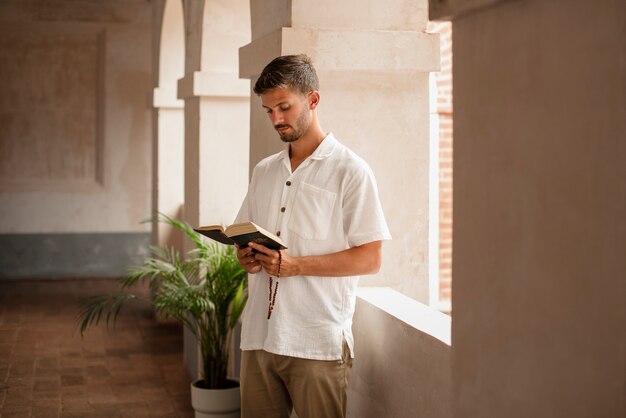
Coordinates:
[241,234]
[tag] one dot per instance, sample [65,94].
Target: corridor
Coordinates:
[48,370]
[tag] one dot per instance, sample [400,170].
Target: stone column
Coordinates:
[216,117]
[539,283]
[216,110]
[168,120]
[373,60]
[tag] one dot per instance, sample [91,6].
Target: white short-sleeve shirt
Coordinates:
[328,204]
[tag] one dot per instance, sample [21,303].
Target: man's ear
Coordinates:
[314,99]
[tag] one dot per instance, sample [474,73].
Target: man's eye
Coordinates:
[284,108]
[268,111]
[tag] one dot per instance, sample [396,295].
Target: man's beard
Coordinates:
[289,137]
[299,128]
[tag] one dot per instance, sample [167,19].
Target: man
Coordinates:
[322,200]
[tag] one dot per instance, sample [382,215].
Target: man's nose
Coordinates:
[277,118]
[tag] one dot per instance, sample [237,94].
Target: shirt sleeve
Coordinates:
[363,217]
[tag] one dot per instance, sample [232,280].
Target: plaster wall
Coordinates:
[76,136]
[540,197]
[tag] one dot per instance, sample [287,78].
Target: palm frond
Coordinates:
[185,228]
[93,308]
[239,302]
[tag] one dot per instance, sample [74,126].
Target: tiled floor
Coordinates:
[48,370]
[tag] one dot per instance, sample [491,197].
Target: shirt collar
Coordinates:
[326,148]
[323,150]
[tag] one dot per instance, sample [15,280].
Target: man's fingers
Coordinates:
[260,248]
[245,254]
[267,258]
[248,260]
[251,265]
[243,250]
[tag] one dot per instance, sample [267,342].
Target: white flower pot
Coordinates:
[215,403]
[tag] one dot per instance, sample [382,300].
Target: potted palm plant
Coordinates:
[205,291]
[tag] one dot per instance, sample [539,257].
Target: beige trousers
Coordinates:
[273,385]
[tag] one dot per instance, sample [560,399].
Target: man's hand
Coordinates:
[269,260]
[247,260]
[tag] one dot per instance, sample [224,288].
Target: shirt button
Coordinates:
[282,209]
[288,183]
[278,234]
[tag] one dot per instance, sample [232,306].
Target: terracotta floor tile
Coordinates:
[46,373]
[48,370]
[16,413]
[46,413]
[15,382]
[72,405]
[41,408]
[47,384]
[72,380]
[102,397]
[70,370]
[21,397]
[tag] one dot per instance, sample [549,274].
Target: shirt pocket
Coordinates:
[312,210]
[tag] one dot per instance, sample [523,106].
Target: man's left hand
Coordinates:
[269,260]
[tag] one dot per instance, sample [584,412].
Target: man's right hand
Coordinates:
[247,260]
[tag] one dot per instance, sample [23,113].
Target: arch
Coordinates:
[171,58]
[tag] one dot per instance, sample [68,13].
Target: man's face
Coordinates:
[288,111]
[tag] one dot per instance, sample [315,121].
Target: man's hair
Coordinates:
[292,71]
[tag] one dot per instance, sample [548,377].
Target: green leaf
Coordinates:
[239,302]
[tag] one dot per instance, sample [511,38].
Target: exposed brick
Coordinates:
[444,108]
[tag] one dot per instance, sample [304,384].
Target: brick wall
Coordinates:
[444,109]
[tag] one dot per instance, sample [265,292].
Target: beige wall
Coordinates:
[539,273]
[75,137]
